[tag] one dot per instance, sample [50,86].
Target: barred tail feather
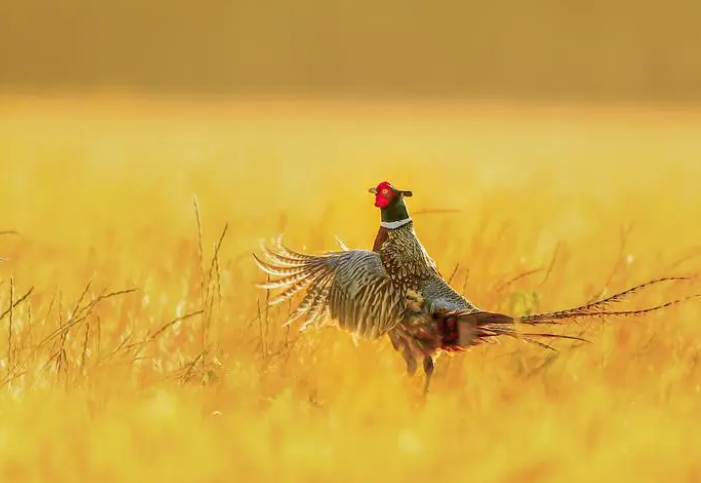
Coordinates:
[459,330]
[488,321]
[557,317]
[529,337]
[604,303]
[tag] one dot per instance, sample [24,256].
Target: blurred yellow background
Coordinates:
[584,50]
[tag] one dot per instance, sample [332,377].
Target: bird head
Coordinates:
[386,194]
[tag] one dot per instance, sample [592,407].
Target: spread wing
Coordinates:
[351,287]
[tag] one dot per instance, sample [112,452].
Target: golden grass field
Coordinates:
[189,378]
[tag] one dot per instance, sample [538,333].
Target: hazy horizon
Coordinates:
[582,51]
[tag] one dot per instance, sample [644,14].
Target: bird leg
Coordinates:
[401,344]
[428,371]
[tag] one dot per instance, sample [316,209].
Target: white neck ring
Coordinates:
[393,225]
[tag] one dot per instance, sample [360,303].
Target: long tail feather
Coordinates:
[458,330]
[531,338]
[557,317]
[461,329]
[604,303]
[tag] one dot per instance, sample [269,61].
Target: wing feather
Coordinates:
[351,287]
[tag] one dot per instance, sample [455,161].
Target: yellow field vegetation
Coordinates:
[138,348]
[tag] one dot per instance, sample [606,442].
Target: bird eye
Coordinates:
[385,191]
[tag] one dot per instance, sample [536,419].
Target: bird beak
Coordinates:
[373,191]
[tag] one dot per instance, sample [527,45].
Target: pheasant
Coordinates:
[396,290]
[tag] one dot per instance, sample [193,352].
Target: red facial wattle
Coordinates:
[381,201]
[383,194]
